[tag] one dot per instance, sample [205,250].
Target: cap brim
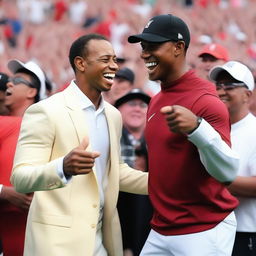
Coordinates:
[215,72]
[15,65]
[123,77]
[145,98]
[147,37]
[236,70]
[216,55]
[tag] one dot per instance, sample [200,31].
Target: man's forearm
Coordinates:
[220,161]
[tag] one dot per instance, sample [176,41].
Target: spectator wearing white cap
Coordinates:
[235,83]
[27,86]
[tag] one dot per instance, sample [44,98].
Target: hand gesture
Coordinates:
[79,161]
[179,119]
[20,200]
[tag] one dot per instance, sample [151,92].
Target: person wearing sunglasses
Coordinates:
[235,83]
[25,87]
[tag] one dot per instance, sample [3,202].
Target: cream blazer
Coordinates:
[62,219]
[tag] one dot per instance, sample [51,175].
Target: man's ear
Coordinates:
[179,48]
[248,95]
[31,93]
[80,63]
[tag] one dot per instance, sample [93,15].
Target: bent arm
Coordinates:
[32,169]
[220,161]
[132,180]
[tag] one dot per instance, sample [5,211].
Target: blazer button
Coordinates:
[94,205]
[93,226]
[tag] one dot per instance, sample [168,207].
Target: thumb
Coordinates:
[95,154]
[166,110]
[84,144]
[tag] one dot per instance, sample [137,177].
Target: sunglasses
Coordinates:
[19,80]
[230,85]
[133,103]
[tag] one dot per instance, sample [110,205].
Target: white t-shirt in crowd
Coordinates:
[243,138]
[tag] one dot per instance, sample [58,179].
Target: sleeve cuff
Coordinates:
[203,135]
[65,179]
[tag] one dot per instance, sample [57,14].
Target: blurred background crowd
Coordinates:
[42,30]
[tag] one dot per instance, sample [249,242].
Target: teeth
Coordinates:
[7,93]
[151,64]
[109,75]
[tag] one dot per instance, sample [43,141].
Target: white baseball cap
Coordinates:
[237,70]
[16,65]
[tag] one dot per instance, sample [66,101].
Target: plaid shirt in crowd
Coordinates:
[128,147]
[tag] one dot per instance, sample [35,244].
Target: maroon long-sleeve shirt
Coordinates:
[186,199]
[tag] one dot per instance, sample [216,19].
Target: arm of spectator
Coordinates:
[243,186]
[20,200]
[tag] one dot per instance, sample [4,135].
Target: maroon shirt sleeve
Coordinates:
[215,112]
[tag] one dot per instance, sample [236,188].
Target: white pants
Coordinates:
[217,241]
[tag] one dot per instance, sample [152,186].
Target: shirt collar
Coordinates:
[84,101]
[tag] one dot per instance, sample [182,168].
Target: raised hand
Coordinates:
[179,119]
[79,161]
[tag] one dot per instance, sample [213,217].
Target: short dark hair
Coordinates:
[79,47]
[34,81]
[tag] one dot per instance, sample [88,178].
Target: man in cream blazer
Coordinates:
[53,160]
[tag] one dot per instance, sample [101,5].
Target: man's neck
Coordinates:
[236,117]
[18,111]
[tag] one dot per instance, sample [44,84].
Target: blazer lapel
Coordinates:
[112,132]
[76,113]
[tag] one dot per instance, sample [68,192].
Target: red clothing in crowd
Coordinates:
[186,199]
[9,132]
[60,9]
[12,219]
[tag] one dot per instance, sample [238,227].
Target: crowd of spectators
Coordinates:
[42,30]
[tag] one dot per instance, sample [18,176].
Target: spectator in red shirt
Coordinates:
[13,205]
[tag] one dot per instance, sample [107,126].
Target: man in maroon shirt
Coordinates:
[190,159]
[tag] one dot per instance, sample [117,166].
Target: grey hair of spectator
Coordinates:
[79,47]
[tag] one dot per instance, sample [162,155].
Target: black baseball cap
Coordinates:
[126,74]
[163,28]
[133,94]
